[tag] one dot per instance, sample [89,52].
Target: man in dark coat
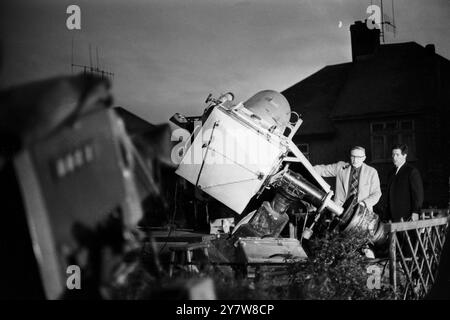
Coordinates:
[405,189]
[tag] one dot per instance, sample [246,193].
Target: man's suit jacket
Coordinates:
[368,187]
[404,194]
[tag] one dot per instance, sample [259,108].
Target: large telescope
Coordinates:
[244,148]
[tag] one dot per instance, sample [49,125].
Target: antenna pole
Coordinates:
[382,21]
[71,57]
[96,49]
[90,57]
[393,18]
[91,70]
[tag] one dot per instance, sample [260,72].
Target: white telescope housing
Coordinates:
[242,149]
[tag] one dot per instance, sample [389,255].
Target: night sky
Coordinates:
[168,55]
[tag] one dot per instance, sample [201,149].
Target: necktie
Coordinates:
[354,182]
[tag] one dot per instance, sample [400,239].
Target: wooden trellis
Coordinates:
[414,253]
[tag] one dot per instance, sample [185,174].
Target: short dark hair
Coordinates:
[403,147]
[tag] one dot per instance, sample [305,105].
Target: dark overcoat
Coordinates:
[404,193]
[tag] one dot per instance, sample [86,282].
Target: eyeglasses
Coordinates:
[352,156]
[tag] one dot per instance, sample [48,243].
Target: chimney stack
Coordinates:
[430,49]
[365,41]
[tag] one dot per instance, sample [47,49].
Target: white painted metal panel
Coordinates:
[236,159]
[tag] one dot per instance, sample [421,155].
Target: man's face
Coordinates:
[357,158]
[398,158]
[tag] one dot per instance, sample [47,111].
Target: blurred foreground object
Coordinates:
[74,164]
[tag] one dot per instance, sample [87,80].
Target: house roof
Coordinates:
[315,96]
[398,79]
[133,123]
[153,141]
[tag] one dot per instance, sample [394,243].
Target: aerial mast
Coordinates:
[90,69]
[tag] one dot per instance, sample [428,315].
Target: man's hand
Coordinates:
[414,216]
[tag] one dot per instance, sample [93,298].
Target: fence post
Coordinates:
[392,261]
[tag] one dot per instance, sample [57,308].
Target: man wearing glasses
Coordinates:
[355,178]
